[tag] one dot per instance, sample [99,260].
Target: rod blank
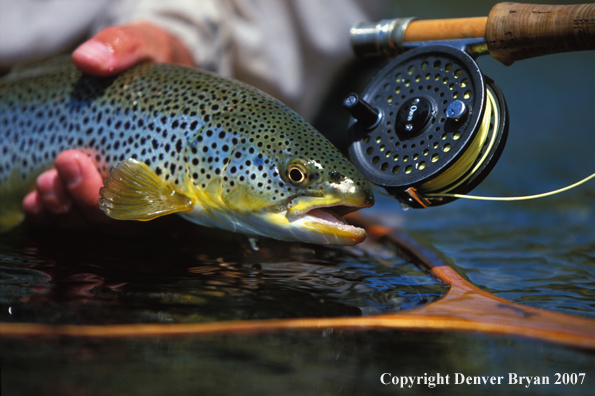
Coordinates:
[513,31]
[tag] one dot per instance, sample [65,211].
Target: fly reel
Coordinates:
[429,123]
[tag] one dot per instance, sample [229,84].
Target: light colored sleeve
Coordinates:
[291,49]
[202,25]
[33,29]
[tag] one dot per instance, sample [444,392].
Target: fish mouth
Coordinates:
[333,214]
[327,224]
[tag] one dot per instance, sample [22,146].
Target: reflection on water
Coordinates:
[67,277]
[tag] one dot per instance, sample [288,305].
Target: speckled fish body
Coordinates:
[232,156]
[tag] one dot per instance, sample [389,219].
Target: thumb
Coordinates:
[117,48]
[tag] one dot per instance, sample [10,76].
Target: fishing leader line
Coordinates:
[521,198]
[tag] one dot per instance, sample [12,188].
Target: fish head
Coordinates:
[283,179]
[322,191]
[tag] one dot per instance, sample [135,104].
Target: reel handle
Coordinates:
[517,31]
[513,31]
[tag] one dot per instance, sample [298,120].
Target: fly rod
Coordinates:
[431,126]
[512,31]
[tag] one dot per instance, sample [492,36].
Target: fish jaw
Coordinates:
[316,216]
[320,225]
[300,219]
[326,227]
[319,219]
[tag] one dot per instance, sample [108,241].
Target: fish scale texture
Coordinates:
[163,115]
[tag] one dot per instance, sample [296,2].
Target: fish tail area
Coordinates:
[12,191]
[10,219]
[11,212]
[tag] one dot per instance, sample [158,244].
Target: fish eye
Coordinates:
[297,171]
[296,174]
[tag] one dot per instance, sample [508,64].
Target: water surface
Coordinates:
[187,277]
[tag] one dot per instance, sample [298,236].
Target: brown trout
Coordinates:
[171,139]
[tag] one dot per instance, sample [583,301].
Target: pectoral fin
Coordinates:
[134,192]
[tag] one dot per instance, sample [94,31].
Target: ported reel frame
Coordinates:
[418,122]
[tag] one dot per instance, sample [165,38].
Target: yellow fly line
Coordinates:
[521,198]
[451,179]
[461,171]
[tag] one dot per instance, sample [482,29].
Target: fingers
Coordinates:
[52,193]
[67,195]
[34,210]
[48,201]
[117,48]
[81,181]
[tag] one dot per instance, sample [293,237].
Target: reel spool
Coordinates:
[429,123]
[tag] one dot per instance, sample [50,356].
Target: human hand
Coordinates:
[67,194]
[116,48]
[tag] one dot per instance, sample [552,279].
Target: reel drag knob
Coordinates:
[457,111]
[428,123]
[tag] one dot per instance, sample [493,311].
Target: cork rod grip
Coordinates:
[519,31]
